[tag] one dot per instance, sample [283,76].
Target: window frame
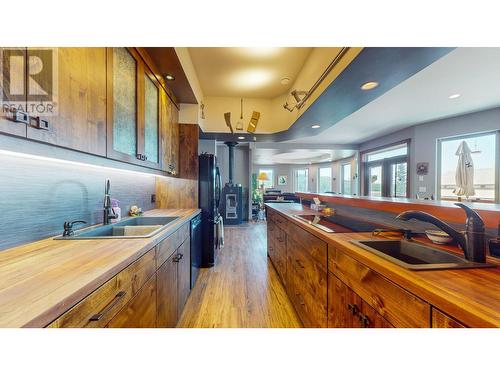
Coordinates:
[342,177]
[385,167]
[319,178]
[295,175]
[439,141]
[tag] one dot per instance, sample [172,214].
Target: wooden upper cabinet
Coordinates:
[169,117]
[133,110]
[13,91]
[78,120]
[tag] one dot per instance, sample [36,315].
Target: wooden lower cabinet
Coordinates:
[183,275]
[347,310]
[441,320]
[140,312]
[167,311]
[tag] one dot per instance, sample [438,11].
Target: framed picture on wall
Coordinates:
[282,180]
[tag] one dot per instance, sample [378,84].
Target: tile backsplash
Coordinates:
[38,195]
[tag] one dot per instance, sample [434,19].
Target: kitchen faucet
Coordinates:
[471,241]
[109,213]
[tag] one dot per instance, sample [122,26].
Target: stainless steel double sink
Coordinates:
[136,227]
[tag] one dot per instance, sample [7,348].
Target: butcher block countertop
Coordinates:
[41,280]
[472,296]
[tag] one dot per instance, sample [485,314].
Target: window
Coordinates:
[386,171]
[302,180]
[346,179]
[484,156]
[324,179]
[269,183]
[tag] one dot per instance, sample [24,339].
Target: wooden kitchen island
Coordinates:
[335,283]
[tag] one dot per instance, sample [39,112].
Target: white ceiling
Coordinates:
[269,156]
[247,72]
[472,72]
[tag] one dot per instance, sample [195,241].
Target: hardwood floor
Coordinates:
[243,289]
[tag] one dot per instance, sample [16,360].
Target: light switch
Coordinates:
[422,189]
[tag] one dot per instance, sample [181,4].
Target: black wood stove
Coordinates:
[232,194]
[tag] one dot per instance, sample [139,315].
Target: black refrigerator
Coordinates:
[209,194]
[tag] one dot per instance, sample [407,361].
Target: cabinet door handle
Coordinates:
[353,308]
[138,156]
[364,321]
[180,256]
[108,307]
[176,259]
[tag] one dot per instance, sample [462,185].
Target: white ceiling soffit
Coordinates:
[474,73]
[247,72]
[274,156]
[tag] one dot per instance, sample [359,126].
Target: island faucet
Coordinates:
[109,213]
[471,240]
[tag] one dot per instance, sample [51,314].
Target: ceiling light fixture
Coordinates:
[454,96]
[169,77]
[370,85]
[316,126]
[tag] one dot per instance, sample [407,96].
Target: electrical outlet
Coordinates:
[422,189]
[153,198]
[420,178]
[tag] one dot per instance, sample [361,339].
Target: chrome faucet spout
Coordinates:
[109,212]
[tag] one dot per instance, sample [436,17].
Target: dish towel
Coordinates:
[220,232]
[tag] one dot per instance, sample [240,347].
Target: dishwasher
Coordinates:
[196,248]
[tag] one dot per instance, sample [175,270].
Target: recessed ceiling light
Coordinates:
[241,137]
[169,77]
[285,81]
[316,126]
[370,85]
[454,96]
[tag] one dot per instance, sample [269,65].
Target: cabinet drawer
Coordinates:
[396,305]
[311,308]
[281,222]
[303,241]
[167,247]
[98,308]
[140,311]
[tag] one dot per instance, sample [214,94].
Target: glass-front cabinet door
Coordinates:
[133,118]
[151,119]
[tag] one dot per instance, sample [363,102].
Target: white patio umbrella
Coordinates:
[464,177]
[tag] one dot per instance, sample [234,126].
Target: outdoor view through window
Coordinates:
[483,155]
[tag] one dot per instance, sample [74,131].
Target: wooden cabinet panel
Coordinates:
[98,308]
[441,320]
[307,243]
[13,86]
[343,305]
[370,318]
[188,151]
[169,125]
[347,310]
[184,275]
[140,312]
[396,305]
[307,285]
[276,239]
[168,246]
[167,294]
[80,120]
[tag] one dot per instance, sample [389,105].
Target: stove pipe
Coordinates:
[231,145]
